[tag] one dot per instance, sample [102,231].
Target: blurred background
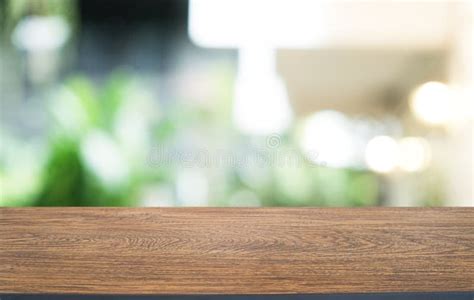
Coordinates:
[236,103]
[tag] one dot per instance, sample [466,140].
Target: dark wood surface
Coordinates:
[235,250]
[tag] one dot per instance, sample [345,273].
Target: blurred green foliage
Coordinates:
[100,138]
[68,178]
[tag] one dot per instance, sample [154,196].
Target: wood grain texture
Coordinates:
[235,250]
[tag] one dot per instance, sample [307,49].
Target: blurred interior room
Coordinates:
[236,103]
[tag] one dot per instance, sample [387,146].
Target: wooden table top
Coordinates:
[235,250]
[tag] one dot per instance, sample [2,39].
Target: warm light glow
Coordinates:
[317,23]
[381,154]
[261,103]
[432,103]
[414,154]
[235,23]
[326,138]
[261,107]
[256,28]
